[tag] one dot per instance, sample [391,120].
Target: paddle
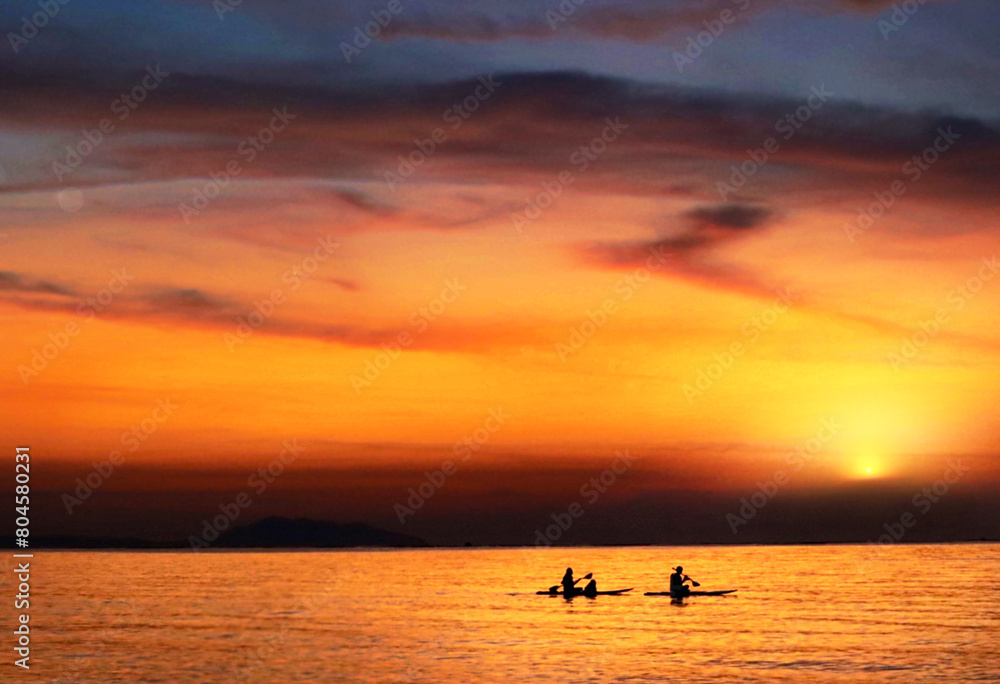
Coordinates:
[693,583]
[557,587]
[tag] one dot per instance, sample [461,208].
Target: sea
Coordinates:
[836,613]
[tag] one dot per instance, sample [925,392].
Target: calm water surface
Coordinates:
[802,614]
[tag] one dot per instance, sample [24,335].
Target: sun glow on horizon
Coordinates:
[869,463]
[865,470]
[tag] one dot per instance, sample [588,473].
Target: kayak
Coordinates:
[579,592]
[693,593]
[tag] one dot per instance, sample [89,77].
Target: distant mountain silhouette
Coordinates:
[268,533]
[301,532]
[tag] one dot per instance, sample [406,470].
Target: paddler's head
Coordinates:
[679,569]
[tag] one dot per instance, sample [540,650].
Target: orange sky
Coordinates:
[578,249]
[507,338]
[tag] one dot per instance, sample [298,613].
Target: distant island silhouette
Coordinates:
[276,531]
[267,533]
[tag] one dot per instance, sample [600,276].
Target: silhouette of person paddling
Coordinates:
[677,583]
[569,584]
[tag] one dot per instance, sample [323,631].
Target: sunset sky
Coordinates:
[658,227]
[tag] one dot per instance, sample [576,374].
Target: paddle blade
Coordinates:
[589,575]
[695,584]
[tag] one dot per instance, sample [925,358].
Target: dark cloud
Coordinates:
[737,217]
[685,250]
[639,21]
[344,284]
[526,131]
[360,200]
[695,232]
[194,308]
[17,282]
[188,301]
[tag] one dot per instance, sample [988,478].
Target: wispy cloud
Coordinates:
[348,135]
[11,282]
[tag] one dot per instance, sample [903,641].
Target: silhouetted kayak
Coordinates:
[579,592]
[693,593]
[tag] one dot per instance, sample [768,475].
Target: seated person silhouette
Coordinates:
[677,580]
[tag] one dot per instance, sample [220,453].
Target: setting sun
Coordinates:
[869,463]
